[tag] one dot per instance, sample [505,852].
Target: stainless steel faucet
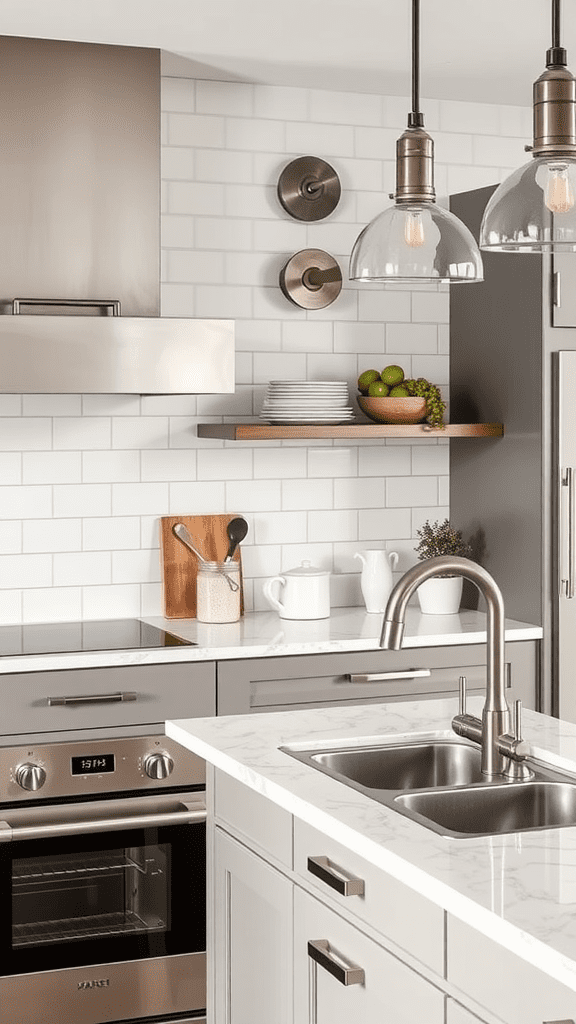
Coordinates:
[502,753]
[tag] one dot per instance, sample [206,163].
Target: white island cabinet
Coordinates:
[327,907]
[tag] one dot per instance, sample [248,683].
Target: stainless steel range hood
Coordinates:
[80,180]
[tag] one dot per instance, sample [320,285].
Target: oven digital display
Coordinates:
[93,764]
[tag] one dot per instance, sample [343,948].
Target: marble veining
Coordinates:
[266,635]
[518,889]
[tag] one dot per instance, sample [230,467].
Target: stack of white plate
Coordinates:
[294,402]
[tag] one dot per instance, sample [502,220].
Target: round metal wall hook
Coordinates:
[311,279]
[309,188]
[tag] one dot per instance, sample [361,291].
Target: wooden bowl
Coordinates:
[393,410]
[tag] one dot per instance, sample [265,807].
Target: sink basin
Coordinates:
[406,766]
[439,784]
[495,809]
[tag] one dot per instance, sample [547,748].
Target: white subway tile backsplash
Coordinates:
[52,535]
[168,465]
[226,464]
[224,98]
[340,524]
[10,537]
[280,528]
[413,490]
[353,492]
[196,499]
[254,134]
[110,466]
[81,500]
[32,501]
[82,568]
[10,607]
[10,405]
[56,604]
[10,468]
[140,432]
[111,602]
[135,567]
[332,141]
[75,433]
[31,434]
[51,405]
[383,524]
[307,494]
[25,570]
[178,94]
[115,532]
[85,478]
[195,130]
[139,499]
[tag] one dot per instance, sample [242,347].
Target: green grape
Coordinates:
[435,407]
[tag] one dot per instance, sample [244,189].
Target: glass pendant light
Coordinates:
[415,240]
[534,210]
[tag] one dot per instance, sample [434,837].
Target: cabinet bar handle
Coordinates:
[343,970]
[568,585]
[556,294]
[93,698]
[335,877]
[567,1021]
[113,304]
[380,677]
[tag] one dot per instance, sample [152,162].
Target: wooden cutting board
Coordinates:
[180,566]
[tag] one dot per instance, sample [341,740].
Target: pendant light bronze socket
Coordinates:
[415,167]
[309,188]
[311,279]
[554,99]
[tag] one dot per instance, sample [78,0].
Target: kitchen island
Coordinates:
[485,926]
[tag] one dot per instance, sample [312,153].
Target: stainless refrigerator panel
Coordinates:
[566,535]
[115,355]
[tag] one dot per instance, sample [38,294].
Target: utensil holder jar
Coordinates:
[218,592]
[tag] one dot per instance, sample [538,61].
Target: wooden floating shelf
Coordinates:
[268,432]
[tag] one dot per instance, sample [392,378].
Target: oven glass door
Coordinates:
[102,898]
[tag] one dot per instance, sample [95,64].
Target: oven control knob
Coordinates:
[30,776]
[158,766]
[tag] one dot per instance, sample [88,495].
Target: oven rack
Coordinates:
[101,926]
[55,870]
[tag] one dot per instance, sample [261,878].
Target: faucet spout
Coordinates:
[496,713]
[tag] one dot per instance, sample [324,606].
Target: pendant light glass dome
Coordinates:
[415,240]
[534,209]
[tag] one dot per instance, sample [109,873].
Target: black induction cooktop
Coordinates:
[96,635]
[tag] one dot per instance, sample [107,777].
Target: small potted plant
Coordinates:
[441,595]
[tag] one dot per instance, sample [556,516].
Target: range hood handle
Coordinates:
[113,304]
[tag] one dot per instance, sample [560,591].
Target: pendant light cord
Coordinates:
[556,55]
[415,117]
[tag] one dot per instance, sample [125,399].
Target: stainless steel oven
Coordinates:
[102,882]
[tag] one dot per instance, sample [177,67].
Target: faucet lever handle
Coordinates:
[517,720]
[462,695]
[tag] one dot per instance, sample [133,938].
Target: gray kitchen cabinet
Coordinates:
[456,1014]
[505,336]
[106,698]
[302,681]
[252,936]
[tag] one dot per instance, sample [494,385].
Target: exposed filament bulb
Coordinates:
[414,229]
[558,193]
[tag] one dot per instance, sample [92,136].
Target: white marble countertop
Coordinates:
[266,635]
[518,889]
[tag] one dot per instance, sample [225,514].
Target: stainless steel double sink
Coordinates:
[440,785]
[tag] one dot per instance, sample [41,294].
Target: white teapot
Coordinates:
[305,593]
[376,580]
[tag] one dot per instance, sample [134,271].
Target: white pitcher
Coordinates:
[376,580]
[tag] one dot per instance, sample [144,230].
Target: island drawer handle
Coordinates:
[380,677]
[92,698]
[335,877]
[567,1021]
[343,970]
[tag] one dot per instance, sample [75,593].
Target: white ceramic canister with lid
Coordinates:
[305,593]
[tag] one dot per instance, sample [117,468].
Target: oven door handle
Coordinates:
[192,814]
